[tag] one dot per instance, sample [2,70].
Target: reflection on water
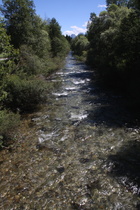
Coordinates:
[74,153]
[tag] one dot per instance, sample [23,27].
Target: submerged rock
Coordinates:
[61,169]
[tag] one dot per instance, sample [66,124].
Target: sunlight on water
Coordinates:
[78,116]
[60,94]
[77,82]
[69,88]
[79,151]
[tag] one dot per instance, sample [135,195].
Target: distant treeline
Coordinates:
[34,47]
[112,47]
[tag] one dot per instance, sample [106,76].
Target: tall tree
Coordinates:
[80,44]
[56,37]
[103,35]
[19,20]
[6,66]
[54,29]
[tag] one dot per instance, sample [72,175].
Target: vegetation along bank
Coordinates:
[29,47]
[112,47]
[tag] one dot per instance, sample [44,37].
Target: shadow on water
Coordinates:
[125,165]
[108,107]
[110,113]
[111,109]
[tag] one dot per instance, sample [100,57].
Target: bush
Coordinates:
[30,63]
[24,95]
[8,122]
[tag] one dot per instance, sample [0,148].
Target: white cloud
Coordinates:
[85,24]
[69,33]
[102,6]
[76,30]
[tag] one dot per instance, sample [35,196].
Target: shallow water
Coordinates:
[79,151]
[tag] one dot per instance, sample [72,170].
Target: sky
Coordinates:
[72,15]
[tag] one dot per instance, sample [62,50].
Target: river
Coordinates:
[79,151]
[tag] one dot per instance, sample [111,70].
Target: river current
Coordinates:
[79,151]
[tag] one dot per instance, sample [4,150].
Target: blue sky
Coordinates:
[72,15]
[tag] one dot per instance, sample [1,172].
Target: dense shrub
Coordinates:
[24,95]
[80,46]
[8,122]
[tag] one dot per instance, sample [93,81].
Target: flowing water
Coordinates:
[79,151]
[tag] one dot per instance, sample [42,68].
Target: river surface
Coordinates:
[79,151]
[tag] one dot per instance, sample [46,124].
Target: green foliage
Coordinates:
[135,4]
[79,46]
[24,95]
[6,49]
[130,52]
[8,122]
[40,50]
[117,2]
[102,35]
[29,62]
[59,44]
[65,47]
[69,38]
[6,66]
[112,8]
[19,19]
[103,14]
[54,29]
[40,40]
[114,48]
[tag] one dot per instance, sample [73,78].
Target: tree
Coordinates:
[114,46]
[7,66]
[97,26]
[19,20]
[104,48]
[80,44]
[117,2]
[54,29]
[59,44]
[131,42]
[69,38]
[135,4]
[40,40]
[55,34]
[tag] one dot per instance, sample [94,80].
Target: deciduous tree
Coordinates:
[19,20]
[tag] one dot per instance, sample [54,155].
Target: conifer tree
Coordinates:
[19,20]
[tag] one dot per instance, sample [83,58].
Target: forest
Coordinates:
[112,47]
[30,49]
